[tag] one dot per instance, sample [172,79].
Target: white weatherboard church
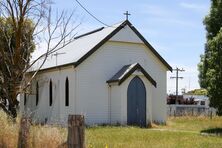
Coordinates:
[110,75]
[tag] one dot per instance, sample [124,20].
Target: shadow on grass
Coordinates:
[212,131]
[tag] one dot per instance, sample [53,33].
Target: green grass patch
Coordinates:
[132,137]
[180,132]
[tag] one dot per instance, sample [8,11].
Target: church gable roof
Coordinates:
[85,45]
[126,71]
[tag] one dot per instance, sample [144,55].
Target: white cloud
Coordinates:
[165,15]
[194,6]
[176,22]
[156,10]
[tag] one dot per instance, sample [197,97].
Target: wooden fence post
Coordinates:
[23,139]
[76,131]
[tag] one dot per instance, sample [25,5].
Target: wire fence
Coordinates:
[190,110]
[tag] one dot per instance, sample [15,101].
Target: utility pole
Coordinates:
[177,77]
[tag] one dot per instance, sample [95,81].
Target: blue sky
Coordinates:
[174,28]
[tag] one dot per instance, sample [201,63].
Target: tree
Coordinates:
[210,66]
[197,92]
[10,71]
[25,23]
[214,73]
[202,76]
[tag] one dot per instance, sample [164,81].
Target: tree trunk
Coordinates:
[13,103]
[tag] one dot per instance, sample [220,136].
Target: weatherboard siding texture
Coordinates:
[101,66]
[126,35]
[57,113]
[116,104]
[152,65]
[91,96]
[89,93]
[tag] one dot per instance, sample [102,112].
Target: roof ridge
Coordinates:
[115,25]
[90,32]
[99,29]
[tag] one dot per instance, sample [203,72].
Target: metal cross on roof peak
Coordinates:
[127,14]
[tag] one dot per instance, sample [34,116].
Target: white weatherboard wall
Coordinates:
[89,92]
[156,70]
[93,73]
[126,35]
[57,113]
[115,105]
[91,96]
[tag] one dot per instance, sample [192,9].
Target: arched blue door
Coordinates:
[136,102]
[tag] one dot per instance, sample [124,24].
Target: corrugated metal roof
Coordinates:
[121,73]
[77,49]
[126,71]
[85,45]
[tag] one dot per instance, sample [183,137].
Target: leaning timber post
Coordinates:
[76,131]
[24,132]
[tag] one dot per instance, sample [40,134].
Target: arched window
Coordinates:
[37,94]
[50,93]
[25,98]
[67,92]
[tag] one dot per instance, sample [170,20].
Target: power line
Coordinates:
[92,14]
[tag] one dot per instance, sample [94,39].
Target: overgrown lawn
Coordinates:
[180,132]
[133,137]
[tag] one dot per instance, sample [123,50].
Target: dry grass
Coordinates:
[47,136]
[192,123]
[8,132]
[40,136]
[183,132]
